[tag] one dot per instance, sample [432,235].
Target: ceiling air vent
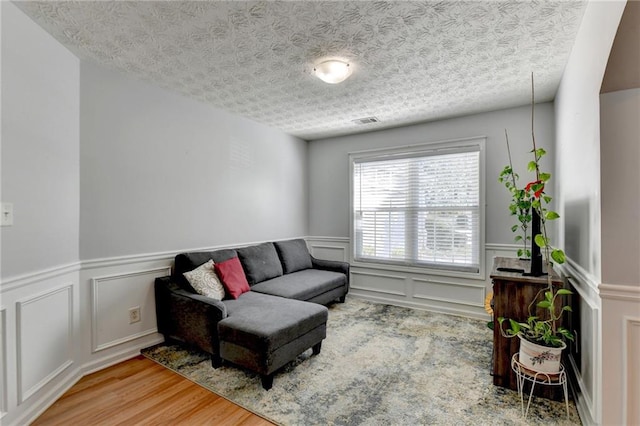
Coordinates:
[366,120]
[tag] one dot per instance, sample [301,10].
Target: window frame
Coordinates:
[429,148]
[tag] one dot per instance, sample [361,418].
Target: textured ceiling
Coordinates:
[412,61]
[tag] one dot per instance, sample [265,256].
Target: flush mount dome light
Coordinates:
[332,71]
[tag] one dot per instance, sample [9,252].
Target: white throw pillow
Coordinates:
[204,280]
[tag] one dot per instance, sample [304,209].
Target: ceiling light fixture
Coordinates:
[332,71]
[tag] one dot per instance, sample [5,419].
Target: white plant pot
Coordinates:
[543,359]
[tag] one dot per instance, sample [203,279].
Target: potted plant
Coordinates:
[542,339]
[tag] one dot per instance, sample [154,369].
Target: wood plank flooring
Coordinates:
[141,392]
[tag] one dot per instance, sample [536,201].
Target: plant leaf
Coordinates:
[540,152]
[531,166]
[551,215]
[544,304]
[540,241]
[558,256]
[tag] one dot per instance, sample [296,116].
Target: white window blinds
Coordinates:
[419,208]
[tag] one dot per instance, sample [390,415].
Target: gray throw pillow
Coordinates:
[260,263]
[294,255]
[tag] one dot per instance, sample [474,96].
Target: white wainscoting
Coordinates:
[631,380]
[620,353]
[586,366]
[324,250]
[382,284]
[44,338]
[113,296]
[412,288]
[3,362]
[40,334]
[96,295]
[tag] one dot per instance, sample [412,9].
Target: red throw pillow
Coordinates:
[232,276]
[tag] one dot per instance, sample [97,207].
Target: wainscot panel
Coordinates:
[631,383]
[3,362]
[329,249]
[378,283]
[449,291]
[44,338]
[620,351]
[114,297]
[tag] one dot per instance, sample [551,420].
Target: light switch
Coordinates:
[6,216]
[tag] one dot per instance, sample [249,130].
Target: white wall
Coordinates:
[40,175]
[162,172]
[40,142]
[620,185]
[578,168]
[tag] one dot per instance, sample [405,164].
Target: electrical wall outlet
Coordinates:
[6,215]
[134,315]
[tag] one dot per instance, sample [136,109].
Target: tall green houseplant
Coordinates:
[544,331]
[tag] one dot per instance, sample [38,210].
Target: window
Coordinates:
[419,206]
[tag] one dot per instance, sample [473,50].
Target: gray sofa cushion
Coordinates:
[260,262]
[302,285]
[185,262]
[264,323]
[294,255]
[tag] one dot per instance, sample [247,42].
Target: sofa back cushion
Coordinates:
[260,262]
[294,255]
[185,262]
[232,277]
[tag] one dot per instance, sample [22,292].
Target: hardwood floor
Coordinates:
[141,392]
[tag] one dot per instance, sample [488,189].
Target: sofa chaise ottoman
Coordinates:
[263,333]
[262,329]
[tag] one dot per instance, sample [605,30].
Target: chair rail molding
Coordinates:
[13,283]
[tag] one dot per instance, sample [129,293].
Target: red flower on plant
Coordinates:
[539,191]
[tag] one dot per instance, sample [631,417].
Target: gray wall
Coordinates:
[40,143]
[328,163]
[161,172]
[620,183]
[606,359]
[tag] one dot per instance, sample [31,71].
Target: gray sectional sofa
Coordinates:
[265,328]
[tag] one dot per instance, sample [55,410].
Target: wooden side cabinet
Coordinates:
[513,292]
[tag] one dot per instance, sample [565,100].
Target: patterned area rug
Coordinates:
[379,365]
